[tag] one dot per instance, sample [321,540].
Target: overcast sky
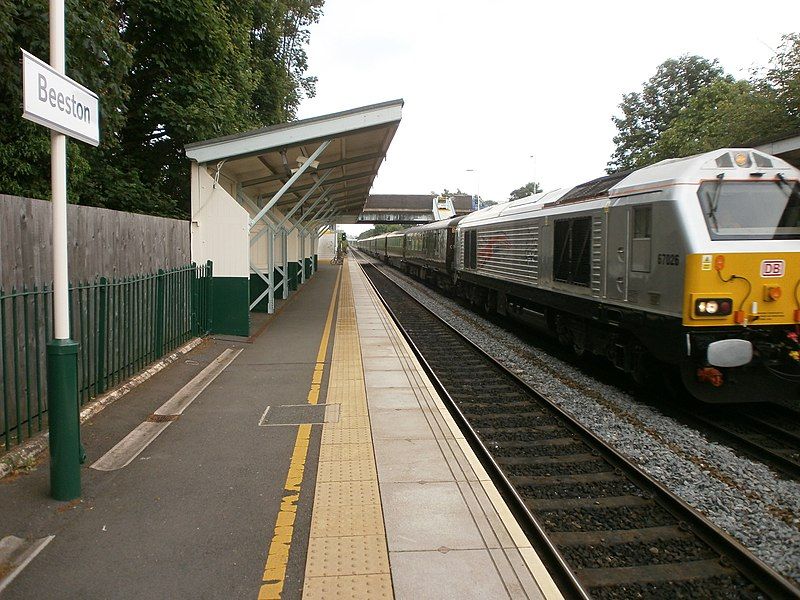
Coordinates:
[516,90]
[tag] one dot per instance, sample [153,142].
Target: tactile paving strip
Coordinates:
[374,587]
[347,552]
[352,555]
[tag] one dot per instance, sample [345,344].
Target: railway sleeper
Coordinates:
[603,502]
[699,571]
[548,460]
[625,536]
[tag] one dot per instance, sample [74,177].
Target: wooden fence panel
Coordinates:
[101,242]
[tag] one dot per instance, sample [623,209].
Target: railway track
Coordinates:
[603,527]
[770,433]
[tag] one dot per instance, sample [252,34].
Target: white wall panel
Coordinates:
[327,245]
[219,227]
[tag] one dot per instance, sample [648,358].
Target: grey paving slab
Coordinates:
[391,398]
[456,575]
[427,516]
[368,328]
[386,379]
[388,363]
[392,423]
[384,349]
[377,333]
[411,460]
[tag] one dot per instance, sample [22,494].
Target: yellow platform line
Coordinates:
[278,556]
[347,552]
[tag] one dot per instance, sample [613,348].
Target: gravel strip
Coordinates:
[741,496]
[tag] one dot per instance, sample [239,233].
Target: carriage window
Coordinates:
[572,251]
[640,242]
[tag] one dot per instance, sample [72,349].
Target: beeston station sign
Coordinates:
[57,102]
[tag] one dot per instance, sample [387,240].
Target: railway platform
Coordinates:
[312,460]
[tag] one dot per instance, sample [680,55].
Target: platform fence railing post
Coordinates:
[102,334]
[158,342]
[210,296]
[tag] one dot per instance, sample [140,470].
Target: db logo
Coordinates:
[772,268]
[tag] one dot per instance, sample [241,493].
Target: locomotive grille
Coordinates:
[597,256]
[510,252]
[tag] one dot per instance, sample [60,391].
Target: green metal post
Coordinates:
[36,322]
[102,335]
[4,351]
[195,328]
[65,447]
[210,292]
[159,320]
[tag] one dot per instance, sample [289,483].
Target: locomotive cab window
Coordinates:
[572,251]
[641,238]
[751,210]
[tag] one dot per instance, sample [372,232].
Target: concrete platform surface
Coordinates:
[314,460]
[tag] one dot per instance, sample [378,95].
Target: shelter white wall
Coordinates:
[219,227]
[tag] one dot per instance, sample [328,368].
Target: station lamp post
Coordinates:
[67,109]
[62,352]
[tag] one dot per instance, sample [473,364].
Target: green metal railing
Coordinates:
[122,325]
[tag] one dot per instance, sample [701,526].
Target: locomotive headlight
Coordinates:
[742,159]
[712,307]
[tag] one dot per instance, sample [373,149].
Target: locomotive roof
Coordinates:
[594,188]
[691,169]
[443,223]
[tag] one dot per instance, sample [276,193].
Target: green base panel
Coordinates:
[231,306]
[258,285]
[294,275]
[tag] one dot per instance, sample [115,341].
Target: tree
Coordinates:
[277,37]
[781,82]
[380,229]
[732,113]
[526,190]
[448,194]
[722,114]
[647,114]
[97,58]
[168,72]
[190,80]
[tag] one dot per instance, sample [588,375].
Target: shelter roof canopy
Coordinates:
[262,161]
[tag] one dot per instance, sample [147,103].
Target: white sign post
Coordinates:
[67,108]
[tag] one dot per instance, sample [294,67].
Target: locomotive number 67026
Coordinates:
[672,260]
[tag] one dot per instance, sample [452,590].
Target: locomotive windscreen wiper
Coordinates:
[782,181]
[712,212]
[792,211]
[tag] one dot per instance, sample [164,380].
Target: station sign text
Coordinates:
[58,102]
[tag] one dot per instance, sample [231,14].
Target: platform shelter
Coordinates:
[261,200]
